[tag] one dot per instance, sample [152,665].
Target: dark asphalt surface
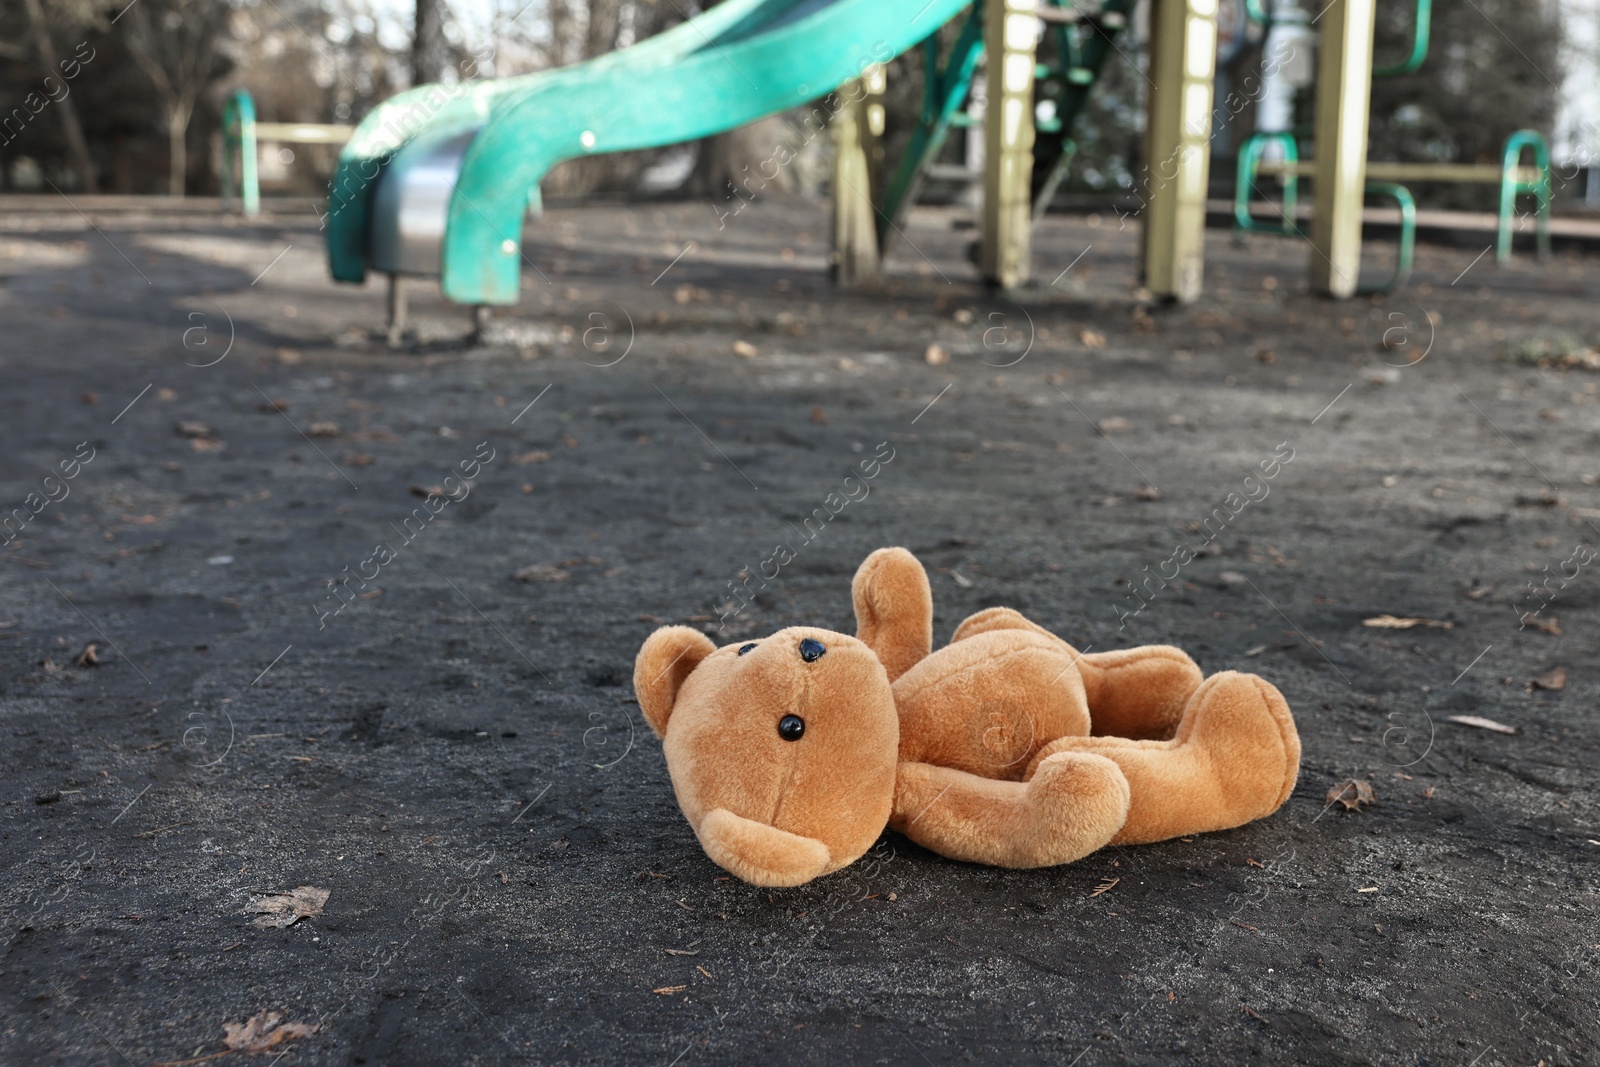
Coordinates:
[456,756]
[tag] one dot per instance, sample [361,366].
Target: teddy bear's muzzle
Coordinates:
[761,854]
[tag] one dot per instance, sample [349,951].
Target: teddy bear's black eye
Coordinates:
[791,727]
[746,648]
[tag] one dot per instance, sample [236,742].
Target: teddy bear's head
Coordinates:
[782,750]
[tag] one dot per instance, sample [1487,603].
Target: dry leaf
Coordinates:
[1147,492]
[1396,622]
[1115,424]
[1256,651]
[961,579]
[531,457]
[668,990]
[360,459]
[324,429]
[273,405]
[1091,339]
[1544,626]
[1482,723]
[262,1032]
[819,416]
[745,350]
[287,908]
[935,356]
[1105,886]
[540,572]
[207,444]
[193,428]
[427,490]
[89,657]
[1353,793]
[1554,679]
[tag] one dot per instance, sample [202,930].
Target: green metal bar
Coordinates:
[1419,45]
[943,96]
[1244,183]
[1510,186]
[1408,235]
[239,133]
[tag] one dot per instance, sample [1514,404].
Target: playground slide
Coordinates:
[437,181]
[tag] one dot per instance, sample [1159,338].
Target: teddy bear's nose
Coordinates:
[811,650]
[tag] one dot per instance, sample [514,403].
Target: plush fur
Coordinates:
[1007,746]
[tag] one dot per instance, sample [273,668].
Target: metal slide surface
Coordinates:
[738,62]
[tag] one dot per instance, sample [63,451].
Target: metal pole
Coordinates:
[1344,92]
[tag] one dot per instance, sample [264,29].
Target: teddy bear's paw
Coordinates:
[894,608]
[1077,802]
[761,854]
[1243,725]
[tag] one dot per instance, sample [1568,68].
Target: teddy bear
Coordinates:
[790,754]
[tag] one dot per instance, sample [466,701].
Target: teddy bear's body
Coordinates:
[1007,746]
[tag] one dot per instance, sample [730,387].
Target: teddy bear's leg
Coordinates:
[1134,692]
[1072,805]
[1235,758]
[894,609]
[1138,692]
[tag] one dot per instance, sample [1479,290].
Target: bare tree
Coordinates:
[179,57]
[430,52]
[70,126]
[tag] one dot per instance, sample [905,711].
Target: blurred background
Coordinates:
[142,114]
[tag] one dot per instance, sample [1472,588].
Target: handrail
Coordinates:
[239,130]
[1419,44]
[1245,180]
[1512,183]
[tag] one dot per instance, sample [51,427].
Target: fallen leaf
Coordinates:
[668,990]
[324,429]
[961,579]
[262,1032]
[1480,592]
[89,657]
[360,459]
[273,405]
[1482,723]
[745,350]
[91,398]
[207,444]
[1353,793]
[1427,794]
[1105,886]
[1091,339]
[1255,651]
[193,428]
[1544,626]
[1115,424]
[287,908]
[427,490]
[1369,889]
[1396,622]
[935,356]
[819,416]
[540,572]
[531,457]
[1554,679]
[1147,492]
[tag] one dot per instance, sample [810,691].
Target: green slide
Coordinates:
[438,179]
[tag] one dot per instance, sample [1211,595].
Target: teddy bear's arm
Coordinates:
[1235,758]
[894,609]
[1072,805]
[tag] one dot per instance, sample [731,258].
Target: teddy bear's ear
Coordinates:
[668,657]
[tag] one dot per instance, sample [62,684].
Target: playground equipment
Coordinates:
[241,135]
[1381,179]
[437,180]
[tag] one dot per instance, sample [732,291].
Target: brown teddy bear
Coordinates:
[791,753]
